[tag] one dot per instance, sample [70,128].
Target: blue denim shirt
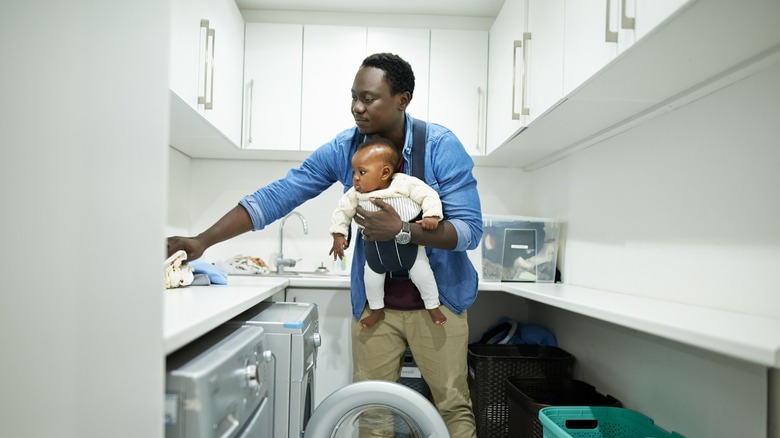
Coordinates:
[447,169]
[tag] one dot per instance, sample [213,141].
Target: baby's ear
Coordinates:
[387,172]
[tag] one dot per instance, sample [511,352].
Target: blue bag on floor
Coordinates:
[510,331]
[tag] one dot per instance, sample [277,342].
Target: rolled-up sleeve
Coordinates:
[320,170]
[449,171]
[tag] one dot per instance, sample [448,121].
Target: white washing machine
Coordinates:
[292,334]
[221,385]
[348,410]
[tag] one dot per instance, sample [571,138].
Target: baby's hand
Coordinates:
[429,223]
[339,245]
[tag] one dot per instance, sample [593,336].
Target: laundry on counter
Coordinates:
[215,274]
[201,280]
[240,264]
[177,271]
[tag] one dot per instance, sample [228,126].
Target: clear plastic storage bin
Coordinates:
[519,248]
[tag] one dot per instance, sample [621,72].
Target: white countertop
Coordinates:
[192,311]
[752,338]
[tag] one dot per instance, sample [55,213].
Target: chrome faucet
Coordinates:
[281,262]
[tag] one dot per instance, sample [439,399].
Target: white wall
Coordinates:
[83,159]
[217,185]
[682,208]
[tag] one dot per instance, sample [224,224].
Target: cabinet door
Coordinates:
[587,45]
[458,85]
[630,20]
[272,77]
[650,13]
[185,47]
[207,52]
[413,46]
[334,357]
[505,89]
[331,57]
[545,80]
[224,81]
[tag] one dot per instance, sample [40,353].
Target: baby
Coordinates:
[374,176]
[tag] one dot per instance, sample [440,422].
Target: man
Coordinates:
[382,90]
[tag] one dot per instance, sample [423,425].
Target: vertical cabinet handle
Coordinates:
[518,44]
[210,102]
[525,110]
[478,143]
[202,91]
[626,22]
[610,36]
[207,97]
[250,100]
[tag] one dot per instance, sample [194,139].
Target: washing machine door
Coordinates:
[384,408]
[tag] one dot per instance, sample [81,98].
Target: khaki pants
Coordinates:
[440,352]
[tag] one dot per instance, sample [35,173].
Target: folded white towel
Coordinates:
[176,270]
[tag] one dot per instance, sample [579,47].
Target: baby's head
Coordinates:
[373,164]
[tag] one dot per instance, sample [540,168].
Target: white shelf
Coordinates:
[752,338]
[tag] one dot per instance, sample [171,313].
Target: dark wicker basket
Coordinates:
[489,367]
[527,396]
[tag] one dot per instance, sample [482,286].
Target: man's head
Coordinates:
[381,91]
[398,73]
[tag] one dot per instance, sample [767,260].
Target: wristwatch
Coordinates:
[404,236]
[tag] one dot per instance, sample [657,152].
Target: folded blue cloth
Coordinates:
[216,274]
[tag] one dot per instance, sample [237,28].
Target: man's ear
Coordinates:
[403,100]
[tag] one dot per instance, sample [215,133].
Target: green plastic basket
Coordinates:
[598,422]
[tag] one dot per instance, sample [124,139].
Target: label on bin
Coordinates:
[411,372]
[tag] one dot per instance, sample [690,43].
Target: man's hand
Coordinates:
[190,245]
[379,225]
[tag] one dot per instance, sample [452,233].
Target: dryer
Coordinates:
[222,385]
[292,334]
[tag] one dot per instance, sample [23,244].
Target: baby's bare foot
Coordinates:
[437,316]
[375,316]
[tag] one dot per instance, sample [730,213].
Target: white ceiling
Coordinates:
[471,8]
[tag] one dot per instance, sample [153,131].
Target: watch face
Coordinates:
[403,237]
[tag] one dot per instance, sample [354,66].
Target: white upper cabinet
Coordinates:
[526,65]
[272,79]
[597,31]
[506,79]
[589,40]
[185,55]
[413,46]
[458,85]
[207,52]
[679,51]
[331,57]
[630,20]
[545,72]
